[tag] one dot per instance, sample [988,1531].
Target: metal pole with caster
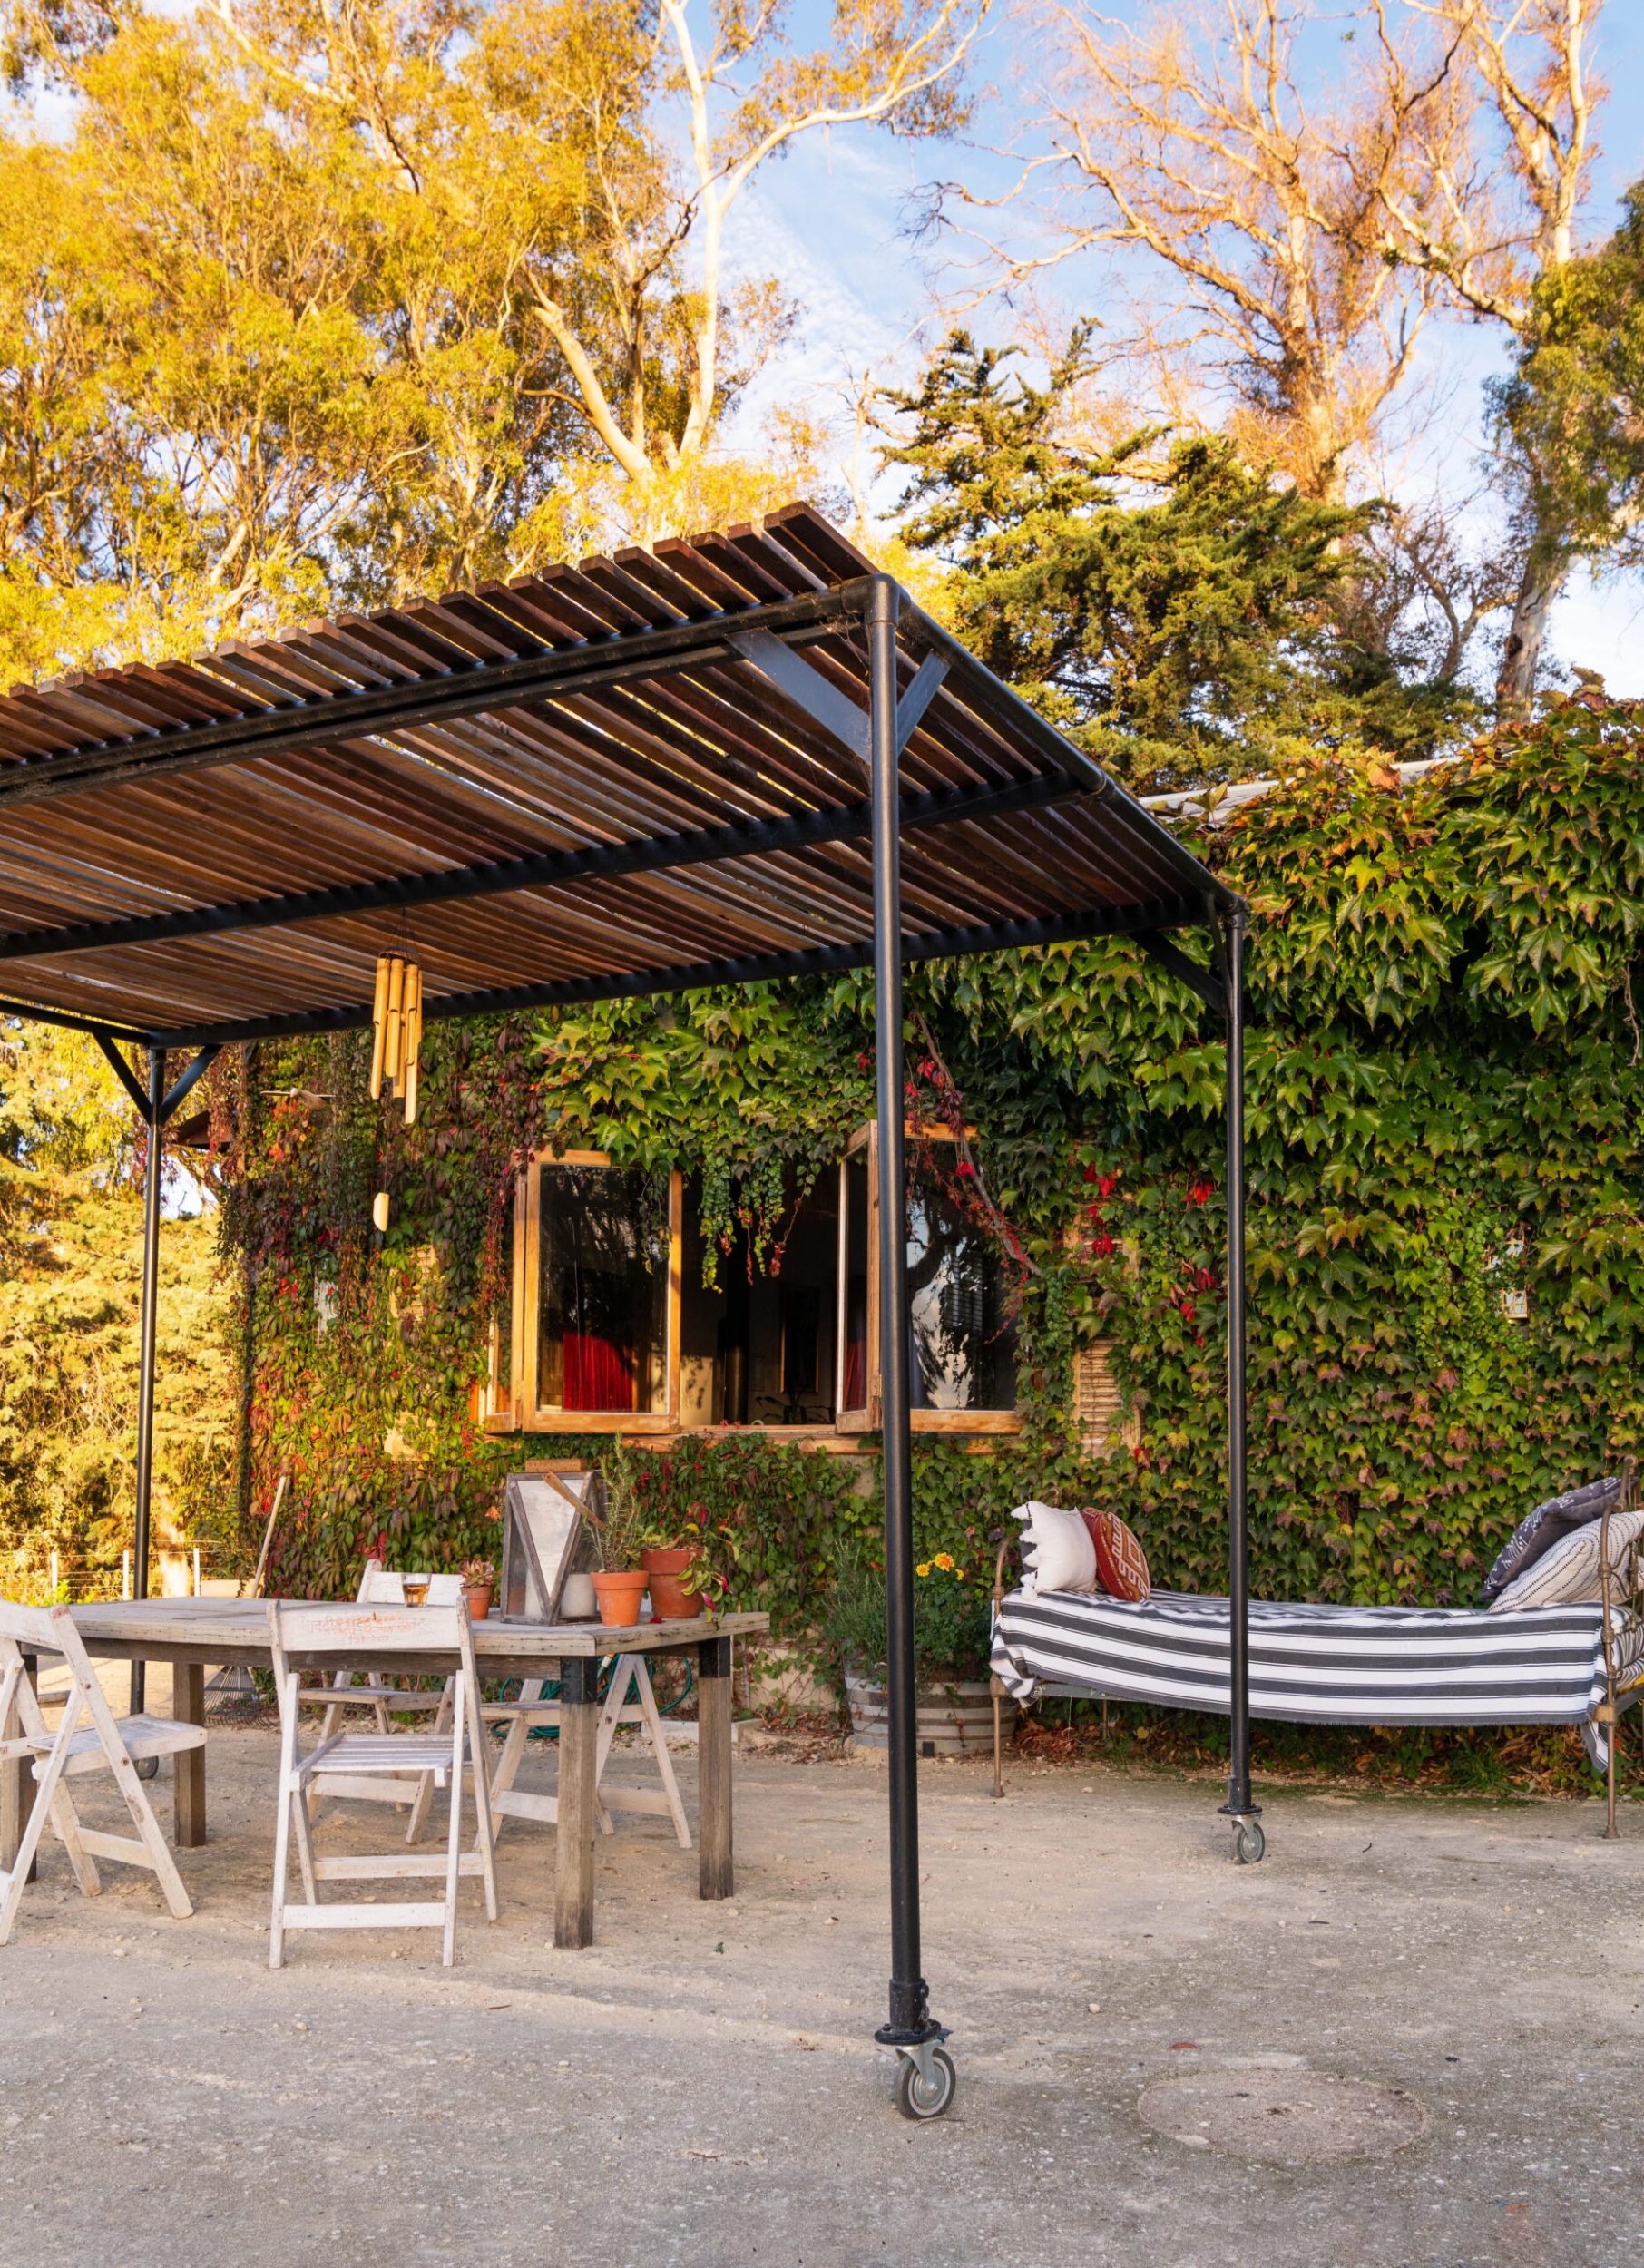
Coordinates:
[912,2029]
[927,2081]
[154,1105]
[1241,1808]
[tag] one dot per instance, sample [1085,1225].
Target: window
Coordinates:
[497,1402]
[758,1347]
[962,1338]
[596,1307]
[613,1329]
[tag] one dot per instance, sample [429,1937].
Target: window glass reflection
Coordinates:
[603,1308]
[962,1344]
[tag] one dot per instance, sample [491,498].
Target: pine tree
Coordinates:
[1179,610]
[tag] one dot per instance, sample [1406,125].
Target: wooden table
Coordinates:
[194,1633]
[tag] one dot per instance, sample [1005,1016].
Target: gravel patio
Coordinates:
[700,2088]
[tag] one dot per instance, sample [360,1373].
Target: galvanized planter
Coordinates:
[955,1720]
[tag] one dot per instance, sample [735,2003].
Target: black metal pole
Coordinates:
[909,2023]
[155,1121]
[1240,1804]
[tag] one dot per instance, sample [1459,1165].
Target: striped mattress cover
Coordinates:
[1311,1665]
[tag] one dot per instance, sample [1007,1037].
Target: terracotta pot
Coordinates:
[477,1597]
[669,1599]
[620,1596]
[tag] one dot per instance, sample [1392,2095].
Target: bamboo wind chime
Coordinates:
[396,1040]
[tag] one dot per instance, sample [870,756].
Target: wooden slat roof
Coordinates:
[563,787]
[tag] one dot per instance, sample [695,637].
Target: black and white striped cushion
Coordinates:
[1572,1571]
[1312,1665]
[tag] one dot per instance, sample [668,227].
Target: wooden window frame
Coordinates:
[516,1410]
[502,1400]
[527,1280]
[870,1419]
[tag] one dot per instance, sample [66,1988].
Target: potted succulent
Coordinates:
[479,1587]
[951,1632]
[620,1536]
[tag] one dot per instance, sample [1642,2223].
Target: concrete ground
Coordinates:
[701,2087]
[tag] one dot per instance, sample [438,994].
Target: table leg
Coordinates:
[574,1825]
[16,1784]
[717,1878]
[188,1706]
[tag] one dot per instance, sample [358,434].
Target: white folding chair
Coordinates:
[630,1676]
[380,1586]
[359,1635]
[89,1737]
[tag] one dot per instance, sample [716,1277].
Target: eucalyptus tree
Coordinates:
[322,304]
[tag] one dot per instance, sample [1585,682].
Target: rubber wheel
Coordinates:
[1250,1843]
[916,2098]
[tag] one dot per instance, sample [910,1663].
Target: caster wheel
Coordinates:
[147,1767]
[1250,1843]
[918,2098]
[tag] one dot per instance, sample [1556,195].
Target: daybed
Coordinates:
[1578,1664]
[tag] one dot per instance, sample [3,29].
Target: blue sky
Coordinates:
[833,219]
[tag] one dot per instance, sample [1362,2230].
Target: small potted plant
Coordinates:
[620,1534]
[951,1641]
[479,1587]
[680,1567]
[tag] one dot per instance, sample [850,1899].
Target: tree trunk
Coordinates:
[1539,586]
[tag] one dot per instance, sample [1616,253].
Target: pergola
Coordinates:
[743,756]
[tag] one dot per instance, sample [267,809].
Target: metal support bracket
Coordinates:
[1207,982]
[184,1084]
[921,2055]
[797,681]
[181,1087]
[801,682]
[124,1073]
[926,683]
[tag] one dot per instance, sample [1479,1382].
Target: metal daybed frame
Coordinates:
[1621,1632]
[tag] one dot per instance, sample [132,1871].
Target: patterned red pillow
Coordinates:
[1121,1564]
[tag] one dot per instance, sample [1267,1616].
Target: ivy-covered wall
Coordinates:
[1444,1083]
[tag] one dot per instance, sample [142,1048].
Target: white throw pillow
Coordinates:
[1568,1575]
[1057,1553]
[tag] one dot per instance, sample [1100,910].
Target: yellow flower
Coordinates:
[945,1561]
[924,1568]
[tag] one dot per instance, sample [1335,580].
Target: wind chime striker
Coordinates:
[396,1039]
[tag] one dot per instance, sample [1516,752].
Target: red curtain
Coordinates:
[598,1374]
[855,1375]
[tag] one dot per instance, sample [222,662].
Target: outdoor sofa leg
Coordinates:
[573,1835]
[188,1706]
[716,1874]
